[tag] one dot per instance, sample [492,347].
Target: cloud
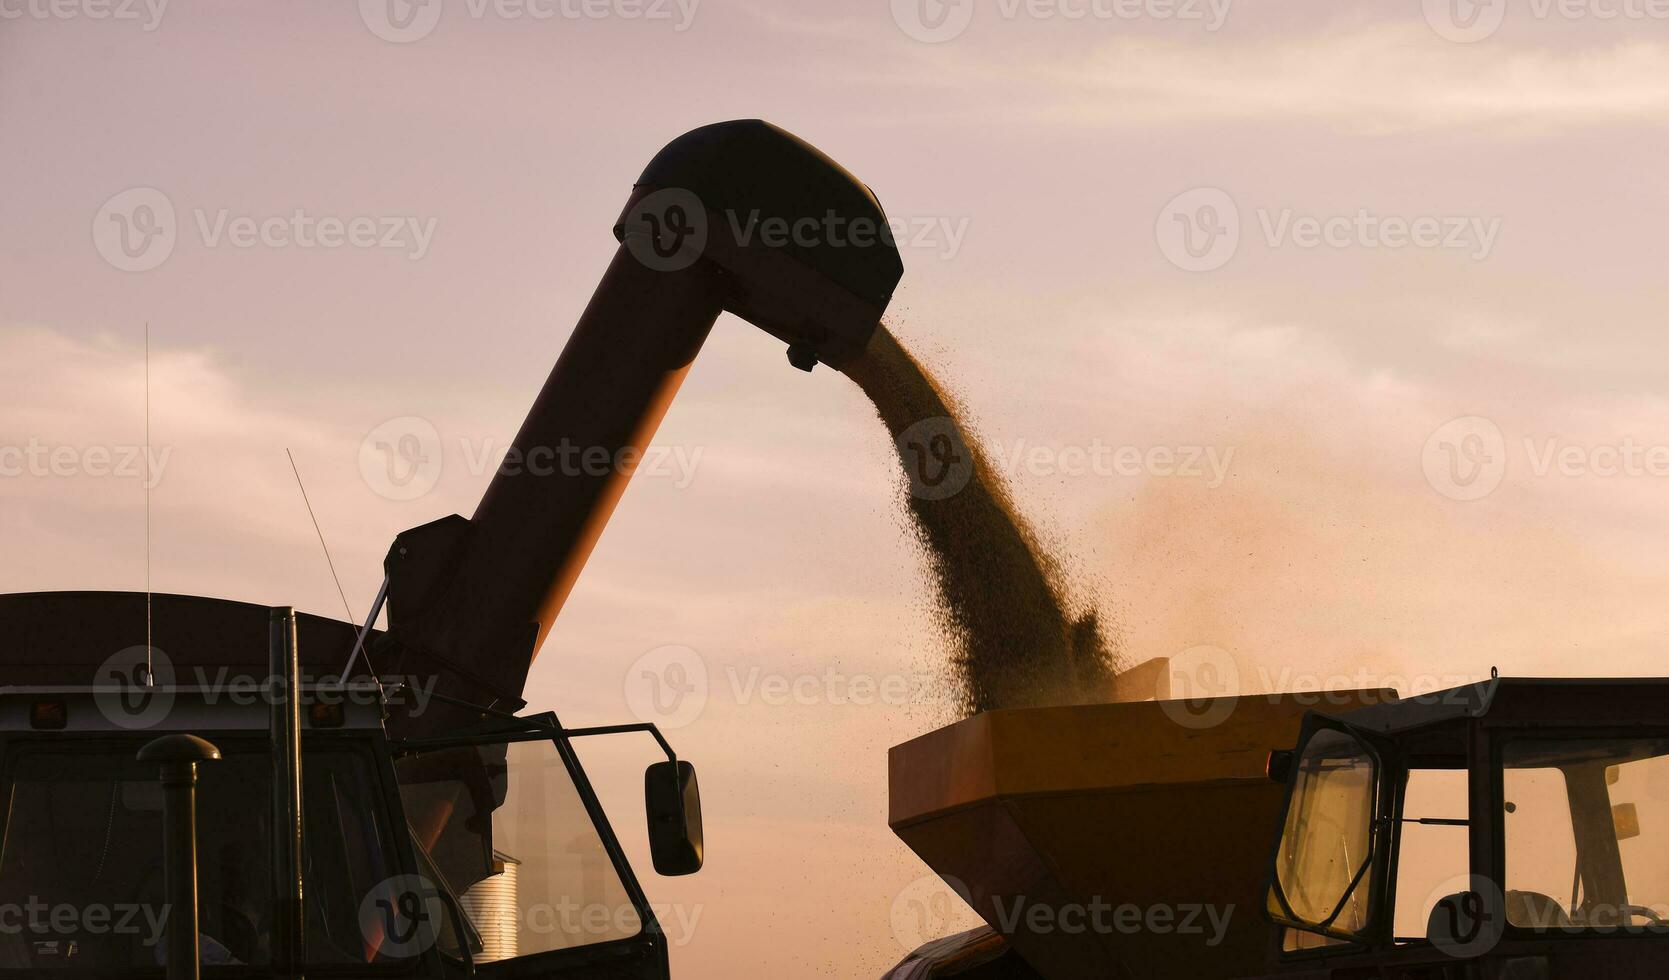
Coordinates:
[1379,78]
[227,519]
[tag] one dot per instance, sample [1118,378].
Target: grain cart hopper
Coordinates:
[1509,830]
[399,818]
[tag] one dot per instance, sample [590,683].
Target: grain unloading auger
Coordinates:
[363,826]
[729,217]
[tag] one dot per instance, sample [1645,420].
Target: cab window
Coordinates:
[1587,834]
[1322,881]
[505,827]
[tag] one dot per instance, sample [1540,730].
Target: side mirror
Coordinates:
[672,799]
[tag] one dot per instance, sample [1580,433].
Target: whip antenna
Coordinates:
[317,530]
[150,668]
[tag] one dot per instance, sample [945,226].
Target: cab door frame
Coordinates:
[642,956]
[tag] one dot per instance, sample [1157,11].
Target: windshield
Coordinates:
[1326,846]
[81,871]
[1587,833]
[504,825]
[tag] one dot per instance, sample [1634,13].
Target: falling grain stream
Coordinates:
[1000,598]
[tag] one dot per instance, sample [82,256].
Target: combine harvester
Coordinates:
[366,828]
[1510,830]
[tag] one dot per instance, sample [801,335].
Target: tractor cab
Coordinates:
[323,845]
[1508,829]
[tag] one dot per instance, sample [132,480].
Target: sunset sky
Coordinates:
[1125,230]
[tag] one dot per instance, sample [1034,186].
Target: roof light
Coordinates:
[49,716]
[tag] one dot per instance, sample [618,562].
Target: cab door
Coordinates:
[513,843]
[1327,874]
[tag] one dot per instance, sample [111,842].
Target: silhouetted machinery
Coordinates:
[359,827]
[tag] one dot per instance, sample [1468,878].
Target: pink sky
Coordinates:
[1054,148]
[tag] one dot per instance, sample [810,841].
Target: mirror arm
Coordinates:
[649,727]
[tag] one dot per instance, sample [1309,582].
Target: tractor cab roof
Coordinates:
[1523,701]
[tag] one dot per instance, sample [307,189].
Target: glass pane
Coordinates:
[1541,847]
[507,829]
[1587,833]
[1431,856]
[1329,828]
[84,833]
[348,852]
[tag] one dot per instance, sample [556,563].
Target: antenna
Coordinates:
[321,534]
[150,668]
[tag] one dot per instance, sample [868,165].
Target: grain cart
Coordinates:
[1510,830]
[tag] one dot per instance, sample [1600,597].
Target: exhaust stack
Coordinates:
[738,216]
